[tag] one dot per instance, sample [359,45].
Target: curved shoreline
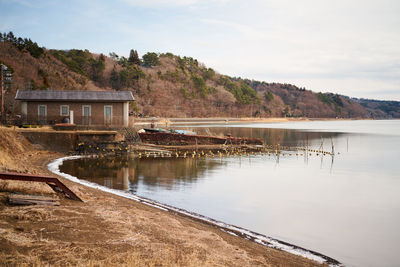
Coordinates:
[54,165]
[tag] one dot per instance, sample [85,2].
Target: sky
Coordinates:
[349,47]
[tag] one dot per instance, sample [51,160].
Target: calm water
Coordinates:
[346,206]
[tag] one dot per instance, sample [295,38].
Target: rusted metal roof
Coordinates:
[95,96]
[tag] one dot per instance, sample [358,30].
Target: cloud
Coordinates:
[343,47]
[247,31]
[173,3]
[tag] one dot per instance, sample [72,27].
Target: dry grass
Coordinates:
[17,154]
[112,231]
[135,258]
[25,187]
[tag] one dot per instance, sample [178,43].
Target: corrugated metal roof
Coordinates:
[96,96]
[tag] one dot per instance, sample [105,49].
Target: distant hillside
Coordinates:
[381,109]
[300,102]
[168,85]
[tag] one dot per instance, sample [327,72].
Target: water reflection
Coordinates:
[124,173]
[127,172]
[286,137]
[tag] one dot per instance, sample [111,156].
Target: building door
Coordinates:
[86,115]
[42,114]
[107,115]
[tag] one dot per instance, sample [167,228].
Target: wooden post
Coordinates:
[71,116]
[2,93]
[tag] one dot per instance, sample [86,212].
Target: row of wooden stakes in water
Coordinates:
[268,150]
[102,148]
[227,153]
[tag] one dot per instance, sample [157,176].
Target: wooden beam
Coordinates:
[18,199]
[53,182]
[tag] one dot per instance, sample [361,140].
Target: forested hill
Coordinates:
[168,85]
[302,102]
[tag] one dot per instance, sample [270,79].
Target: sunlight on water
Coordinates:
[346,206]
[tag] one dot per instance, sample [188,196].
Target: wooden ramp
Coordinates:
[53,182]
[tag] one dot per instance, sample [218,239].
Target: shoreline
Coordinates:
[262,239]
[109,230]
[176,122]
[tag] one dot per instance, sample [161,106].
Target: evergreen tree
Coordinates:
[11,37]
[151,59]
[123,61]
[114,56]
[20,43]
[96,68]
[102,57]
[134,57]
[114,79]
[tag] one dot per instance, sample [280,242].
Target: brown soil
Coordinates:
[108,230]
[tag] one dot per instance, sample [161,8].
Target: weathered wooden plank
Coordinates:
[33,197]
[17,199]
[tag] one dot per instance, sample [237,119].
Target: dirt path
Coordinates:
[108,230]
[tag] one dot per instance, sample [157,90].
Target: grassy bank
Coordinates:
[108,230]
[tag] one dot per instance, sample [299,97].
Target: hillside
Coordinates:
[168,85]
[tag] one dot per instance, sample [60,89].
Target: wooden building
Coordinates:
[95,108]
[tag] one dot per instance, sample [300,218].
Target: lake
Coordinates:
[346,206]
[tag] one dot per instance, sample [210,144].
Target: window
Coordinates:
[86,114]
[86,111]
[42,110]
[42,114]
[108,115]
[64,110]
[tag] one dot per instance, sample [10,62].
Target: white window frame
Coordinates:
[45,110]
[61,109]
[108,106]
[90,110]
[42,120]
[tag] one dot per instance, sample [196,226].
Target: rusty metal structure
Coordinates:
[165,138]
[53,182]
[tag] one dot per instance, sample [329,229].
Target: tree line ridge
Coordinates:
[169,85]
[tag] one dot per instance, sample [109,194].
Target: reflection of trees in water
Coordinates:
[117,172]
[125,173]
[168,172]
[286,137]
[86,168]
[103,171]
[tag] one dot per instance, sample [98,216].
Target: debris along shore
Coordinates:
[180,143]
[108,230]
[181,137]
[198,151]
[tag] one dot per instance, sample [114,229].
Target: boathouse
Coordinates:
[95,108]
